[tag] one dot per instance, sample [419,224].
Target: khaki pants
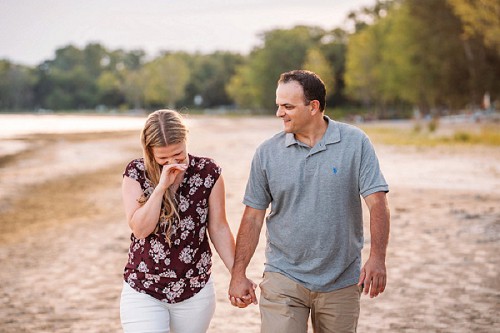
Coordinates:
[285,307]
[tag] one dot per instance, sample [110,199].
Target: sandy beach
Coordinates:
[64,239]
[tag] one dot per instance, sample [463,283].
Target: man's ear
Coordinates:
[314,106]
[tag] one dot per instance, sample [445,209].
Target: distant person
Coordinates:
[313,175]
[173,202]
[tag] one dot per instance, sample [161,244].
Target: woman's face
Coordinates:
[175,153]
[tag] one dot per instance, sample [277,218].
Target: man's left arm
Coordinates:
[373,274]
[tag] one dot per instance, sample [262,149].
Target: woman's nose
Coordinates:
[174,161]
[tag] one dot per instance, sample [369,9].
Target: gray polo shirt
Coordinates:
[315,225]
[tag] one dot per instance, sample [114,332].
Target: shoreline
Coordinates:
[63,272]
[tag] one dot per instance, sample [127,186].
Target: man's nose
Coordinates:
[279,112]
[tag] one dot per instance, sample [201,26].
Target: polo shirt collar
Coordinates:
[290,140]
[332,134]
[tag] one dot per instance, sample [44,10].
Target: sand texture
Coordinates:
[64,239]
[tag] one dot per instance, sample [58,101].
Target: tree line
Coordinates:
[435,55]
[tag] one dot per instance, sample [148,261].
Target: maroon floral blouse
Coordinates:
[176,273]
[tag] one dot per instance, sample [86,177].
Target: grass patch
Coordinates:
[468,134]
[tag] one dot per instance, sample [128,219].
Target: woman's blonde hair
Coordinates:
[162,128]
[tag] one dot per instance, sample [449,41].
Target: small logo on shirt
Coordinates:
[334,170]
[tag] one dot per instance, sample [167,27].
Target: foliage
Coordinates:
[435,56]
[210,75]
[317,62]
[15,86]
[362,75]
[165,79]
[132,87]
[417,54]
[83,78]
[283,50]
[468,134]
[480,18]
[333,47]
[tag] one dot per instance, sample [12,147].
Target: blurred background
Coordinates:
[380,59]
[77,79]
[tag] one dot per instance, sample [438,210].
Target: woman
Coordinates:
[171,200]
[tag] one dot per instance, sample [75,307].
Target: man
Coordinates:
[313,175]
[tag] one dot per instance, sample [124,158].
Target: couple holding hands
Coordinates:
[313,175]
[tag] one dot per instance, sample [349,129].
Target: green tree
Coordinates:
[122,82]
[66,58]
[166,78]
[210,75]
[334,47]
[362,76]
[16,86]
[450,70]
[242,89]
[133,87]
[481,45]
[440,60]
[368,15]
[109,89]
[366,74]
[416,53]
[480,18]
[254,83]
[71,89]
[95,59]
[69,80]
[317,62]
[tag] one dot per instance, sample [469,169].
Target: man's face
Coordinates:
[291,107]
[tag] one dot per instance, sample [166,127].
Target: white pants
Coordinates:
[144,313]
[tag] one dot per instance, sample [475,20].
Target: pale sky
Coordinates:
[31,30]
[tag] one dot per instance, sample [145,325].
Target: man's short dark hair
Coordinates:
[313,86]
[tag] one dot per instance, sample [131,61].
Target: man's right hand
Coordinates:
[242,291]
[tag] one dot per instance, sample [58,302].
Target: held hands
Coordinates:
[169,173]
[242,291]
[373,276]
